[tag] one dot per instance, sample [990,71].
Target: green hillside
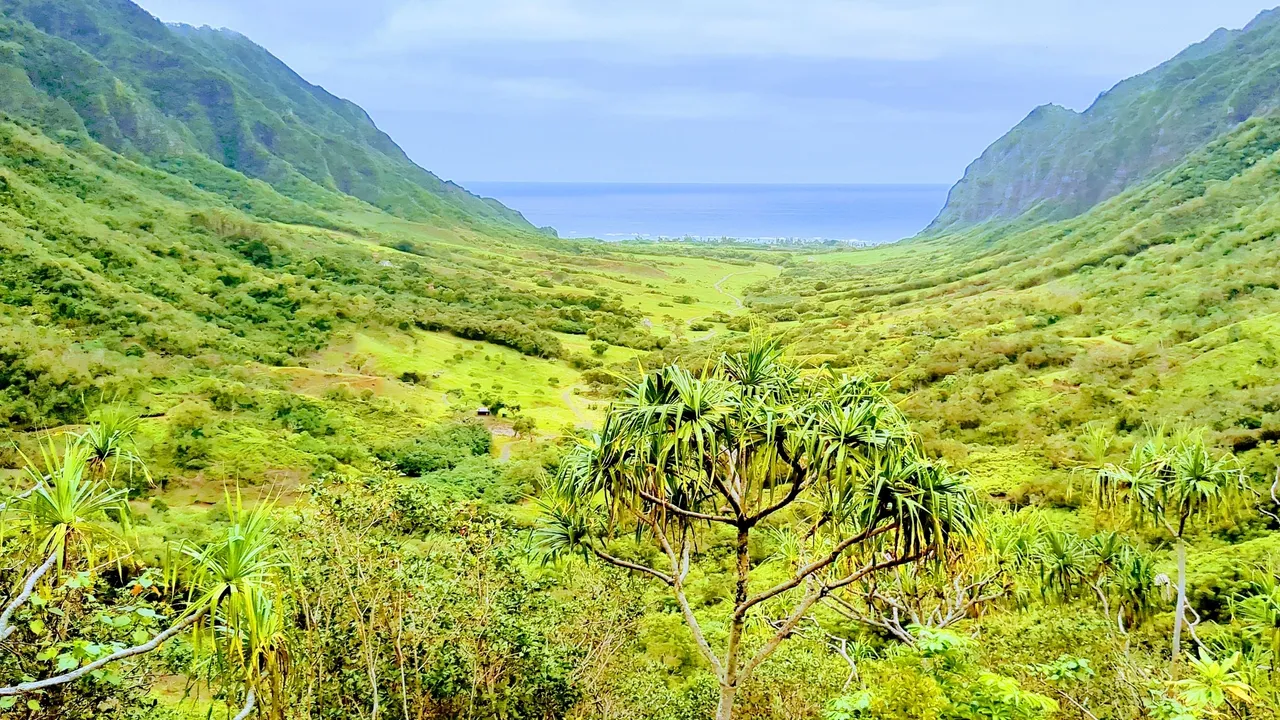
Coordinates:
[125,283]
[1161,305]
[1058,163]
[180,97]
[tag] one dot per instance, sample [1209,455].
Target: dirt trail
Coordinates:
[583,419]
[729,295]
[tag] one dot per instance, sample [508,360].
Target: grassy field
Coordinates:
[457,375]
[672,291]
[864,256]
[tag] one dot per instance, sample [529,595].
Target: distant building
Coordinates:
[482,411]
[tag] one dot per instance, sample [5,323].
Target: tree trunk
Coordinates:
[727,695]
[1180,610]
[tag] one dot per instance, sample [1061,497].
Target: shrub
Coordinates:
[442,448]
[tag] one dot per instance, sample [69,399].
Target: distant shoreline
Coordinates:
[860,214]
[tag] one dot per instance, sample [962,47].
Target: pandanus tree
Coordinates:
[110,442]
[1170,484]
[1258,609]
[745,448]
[69,519]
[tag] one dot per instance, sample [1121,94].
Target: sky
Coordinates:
[751,91]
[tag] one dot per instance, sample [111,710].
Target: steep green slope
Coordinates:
[1161,305]
[181,97]
[115,274]
[1057,163]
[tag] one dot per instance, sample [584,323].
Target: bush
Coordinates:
[442,448]
[303,416]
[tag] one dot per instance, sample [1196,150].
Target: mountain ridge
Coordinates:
[167,92]
[1056,163]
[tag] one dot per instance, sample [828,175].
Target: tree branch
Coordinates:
[734,502]
[811,568]
[691,514]
[1275,497]
[619,562]
[874,568]
[797,486]
[129,652]
[677,588]
[798,477]
[27,588]
[250,700]
[1075,702]
[894,627]
[783,632]
[27,493]
[807,602]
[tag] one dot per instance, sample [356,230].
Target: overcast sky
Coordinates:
[791,91]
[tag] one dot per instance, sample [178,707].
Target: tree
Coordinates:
[1259,611]
[524,426]
[234,595]
[822,464]
[110,443]
[1169,484]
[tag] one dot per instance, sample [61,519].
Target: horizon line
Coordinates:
[464,183]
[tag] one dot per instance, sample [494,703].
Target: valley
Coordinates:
[290,427]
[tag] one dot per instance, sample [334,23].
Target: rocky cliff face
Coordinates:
[1058,163]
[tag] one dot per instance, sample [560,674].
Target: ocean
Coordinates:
[625,211]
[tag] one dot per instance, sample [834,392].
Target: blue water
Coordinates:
[616,211]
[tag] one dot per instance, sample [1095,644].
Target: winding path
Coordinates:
[583,419]
[731,296]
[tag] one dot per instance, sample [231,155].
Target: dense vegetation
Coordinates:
[1020,471]
[1156,307]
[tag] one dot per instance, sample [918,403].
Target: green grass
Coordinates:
[459,373]
[865,256]
[654,284]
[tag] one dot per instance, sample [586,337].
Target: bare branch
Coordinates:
[619,562]
[841,646]
[27,588]
[797,486]
[129,652]
[250,700]
[735,503]
[691,514]
[1275,498]
[798,478]
[807,602]
[811,568]
[783,632]
[1077,703]
[893,625]
[677,587]
[869,569]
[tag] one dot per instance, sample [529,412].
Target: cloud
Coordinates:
[742,90]
[1095,31]
[818,28]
